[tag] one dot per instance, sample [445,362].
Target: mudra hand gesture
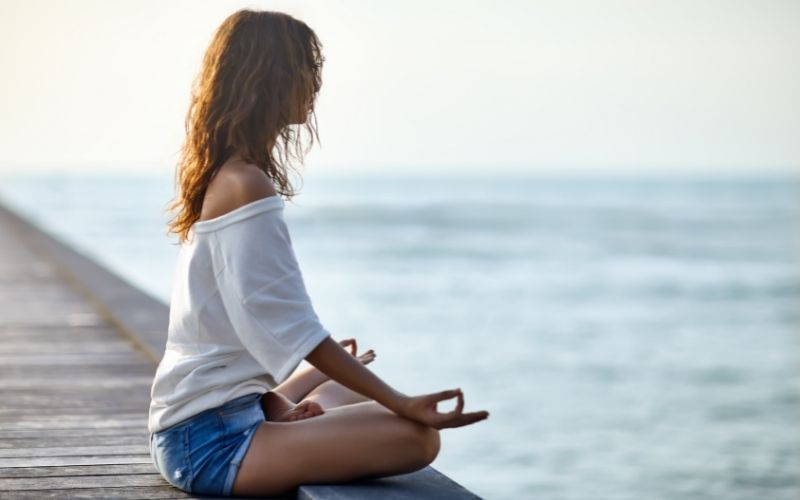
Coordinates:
[365,358]
[424,408]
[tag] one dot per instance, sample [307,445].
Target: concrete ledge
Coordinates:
[424,484]
[144,320]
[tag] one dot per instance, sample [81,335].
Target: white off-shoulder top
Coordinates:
[240,317]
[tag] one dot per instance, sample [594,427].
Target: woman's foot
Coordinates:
[278,408]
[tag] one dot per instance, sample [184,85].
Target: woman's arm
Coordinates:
[335,362]
[306,379]
[331,359]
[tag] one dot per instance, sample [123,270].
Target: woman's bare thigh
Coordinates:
[345,443]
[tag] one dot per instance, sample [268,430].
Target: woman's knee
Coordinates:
[434,444]
[424,441]
[431,444]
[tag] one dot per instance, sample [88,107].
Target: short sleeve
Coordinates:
[263,292]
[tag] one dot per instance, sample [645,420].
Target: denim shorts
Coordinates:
[202,454]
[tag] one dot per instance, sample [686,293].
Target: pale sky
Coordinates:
[415,86]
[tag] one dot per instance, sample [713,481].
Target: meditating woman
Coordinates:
[230,412]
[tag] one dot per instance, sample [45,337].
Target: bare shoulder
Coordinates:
[235,184]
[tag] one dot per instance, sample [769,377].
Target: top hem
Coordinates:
[239,213]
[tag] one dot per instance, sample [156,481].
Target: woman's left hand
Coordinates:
[365,358]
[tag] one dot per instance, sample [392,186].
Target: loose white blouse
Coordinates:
[240,317]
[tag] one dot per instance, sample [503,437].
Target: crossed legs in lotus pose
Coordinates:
[331,435]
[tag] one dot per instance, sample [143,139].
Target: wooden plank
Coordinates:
[6,433]
[131,492]
[64,482]
[76,382]
[41,441]
[97,370]
[70,451]
[64,346]
[58,332]
[134,398]
[77,470]
[74,422]
[82,460]
[110,359]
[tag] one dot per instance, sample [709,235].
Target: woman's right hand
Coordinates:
[423,410]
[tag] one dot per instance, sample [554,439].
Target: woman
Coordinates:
[227,416]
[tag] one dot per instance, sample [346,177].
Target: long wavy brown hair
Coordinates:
[260,70]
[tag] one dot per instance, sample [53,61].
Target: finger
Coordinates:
[466,419]
[460,404]
[354,349]
[458,409]
[349,343]
[469,419]
[443,395]
[444,420]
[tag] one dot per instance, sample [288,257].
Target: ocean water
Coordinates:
[631,338]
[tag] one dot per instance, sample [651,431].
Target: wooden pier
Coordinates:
[78,351]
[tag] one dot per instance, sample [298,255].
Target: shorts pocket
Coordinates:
[171,455]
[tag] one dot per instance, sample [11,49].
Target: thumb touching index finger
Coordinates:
[442,395]
[459,408]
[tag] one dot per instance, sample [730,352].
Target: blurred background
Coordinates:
[584,214]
